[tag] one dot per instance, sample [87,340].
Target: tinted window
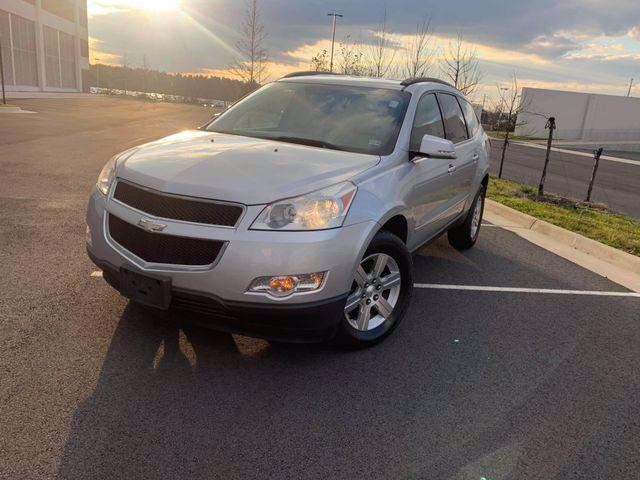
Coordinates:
[428,121]
[453,118]
[470,116]
[356,119]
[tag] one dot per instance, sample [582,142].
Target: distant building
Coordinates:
[582,117]
[45,45]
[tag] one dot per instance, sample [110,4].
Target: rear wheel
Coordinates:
[464,236]
[380,292]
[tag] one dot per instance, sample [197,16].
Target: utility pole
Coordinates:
[144,73]
[97,72]
[630,85]
[125,69]
[596,157]
[551,125]
[4,98]
[333,37]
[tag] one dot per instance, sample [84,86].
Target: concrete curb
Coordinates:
[618,266]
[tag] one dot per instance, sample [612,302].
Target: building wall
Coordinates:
[579,116]
[44,45]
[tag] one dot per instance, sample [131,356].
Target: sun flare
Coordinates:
[147,5]
[155,5]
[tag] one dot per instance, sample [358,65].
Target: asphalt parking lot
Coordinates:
[474,384]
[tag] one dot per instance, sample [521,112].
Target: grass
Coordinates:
[500,136]
[591,220]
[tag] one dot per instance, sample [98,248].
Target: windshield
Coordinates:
[355,119]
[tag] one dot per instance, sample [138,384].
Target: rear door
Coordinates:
[464,165]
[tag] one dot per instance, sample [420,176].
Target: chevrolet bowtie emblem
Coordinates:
[150,225]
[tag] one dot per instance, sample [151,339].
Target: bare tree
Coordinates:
[420,55]
[350,58]
[320,61]
[510,104]
[381,53]
[461,66]
[250,63]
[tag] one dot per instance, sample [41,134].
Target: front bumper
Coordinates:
[219,292]
[310,322]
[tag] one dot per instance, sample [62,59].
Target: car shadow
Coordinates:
[160,378]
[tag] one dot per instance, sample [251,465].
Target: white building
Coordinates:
[45,45]
[582,117]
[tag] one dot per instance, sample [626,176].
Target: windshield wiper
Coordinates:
[306,141]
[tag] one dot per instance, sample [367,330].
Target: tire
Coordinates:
[355,330]
[465,235]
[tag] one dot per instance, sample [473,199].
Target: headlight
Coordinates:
[318,210]
[106,176]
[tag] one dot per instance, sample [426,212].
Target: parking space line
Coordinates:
[97,273]
[552,291]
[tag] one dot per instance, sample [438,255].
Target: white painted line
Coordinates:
[438,286]
[578,154]
[97,273]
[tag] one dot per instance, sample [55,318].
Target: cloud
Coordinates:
[552,46]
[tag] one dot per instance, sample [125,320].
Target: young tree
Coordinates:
[510,104]
[250,64]
[320,62]
[419,56]
[350,58]
[461,66]
[381,53]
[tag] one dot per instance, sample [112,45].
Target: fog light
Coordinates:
[285,285]
[87,236]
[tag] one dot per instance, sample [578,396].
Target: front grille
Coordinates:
[177,208]
[160,248]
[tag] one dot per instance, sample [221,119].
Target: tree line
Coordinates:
[154,81]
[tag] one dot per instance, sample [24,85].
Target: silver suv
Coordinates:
[293,215]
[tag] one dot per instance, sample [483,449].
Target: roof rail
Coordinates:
[308,74]
[414,80]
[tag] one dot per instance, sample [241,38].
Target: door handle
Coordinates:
[475,157]
[451,169]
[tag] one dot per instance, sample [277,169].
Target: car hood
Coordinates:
[237,169]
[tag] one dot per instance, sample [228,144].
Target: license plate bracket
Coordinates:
[151,290]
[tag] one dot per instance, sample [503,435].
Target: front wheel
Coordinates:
[380,292]
[464,236]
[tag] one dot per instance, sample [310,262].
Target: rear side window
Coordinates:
[453,118]
[428,121]
[470,116]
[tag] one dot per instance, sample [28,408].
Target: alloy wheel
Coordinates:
[374,292]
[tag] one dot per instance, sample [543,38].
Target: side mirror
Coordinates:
[436,147]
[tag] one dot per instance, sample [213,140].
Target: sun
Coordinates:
[155,5]
[103,6]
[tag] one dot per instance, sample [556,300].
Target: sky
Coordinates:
[576,45]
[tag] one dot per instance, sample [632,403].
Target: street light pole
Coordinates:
[630,86]
[333,37]
[97,72]
[4,98]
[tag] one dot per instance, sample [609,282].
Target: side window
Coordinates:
[470,116]
[453,118]
[428,121]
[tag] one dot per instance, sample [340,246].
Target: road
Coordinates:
[617,184]
[473,384]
